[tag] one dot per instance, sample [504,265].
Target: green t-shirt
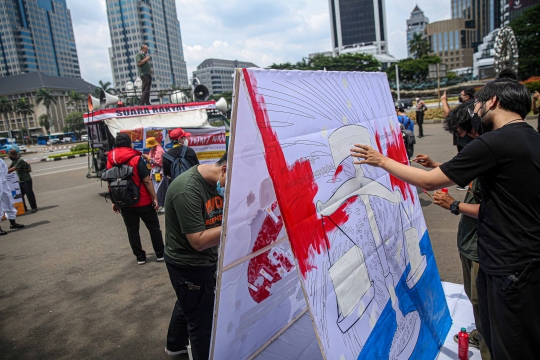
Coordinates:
[145,68]
[191,206]
[467,237]
[22,172]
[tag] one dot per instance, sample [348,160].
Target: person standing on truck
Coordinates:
[145,73]
[179,141]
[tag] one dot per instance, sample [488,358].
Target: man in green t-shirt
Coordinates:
[145,73]
[23,170]
[193,215]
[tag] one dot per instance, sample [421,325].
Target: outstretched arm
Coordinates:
[428,180]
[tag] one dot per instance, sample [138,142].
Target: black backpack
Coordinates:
[179,164]
[122,188]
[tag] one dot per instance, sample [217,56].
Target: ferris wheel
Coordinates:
[506,50]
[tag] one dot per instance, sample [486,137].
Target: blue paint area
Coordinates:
[426,297]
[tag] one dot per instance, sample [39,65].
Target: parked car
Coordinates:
[84,138]
[408,103]
[22,148]
[66,140]
[53,141]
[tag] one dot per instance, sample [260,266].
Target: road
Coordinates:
[70,288]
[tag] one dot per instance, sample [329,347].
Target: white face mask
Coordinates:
[186,142]
[417,99]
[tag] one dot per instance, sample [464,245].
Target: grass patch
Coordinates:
[56,156]
[429,114]
[80,147]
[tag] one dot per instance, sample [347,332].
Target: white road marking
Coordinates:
[57,167]
[56,172]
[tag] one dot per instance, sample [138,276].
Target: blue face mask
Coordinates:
[220,190]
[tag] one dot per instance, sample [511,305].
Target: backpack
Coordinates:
[122,188]
[179,164]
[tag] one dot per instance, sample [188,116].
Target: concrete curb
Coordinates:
[63,157]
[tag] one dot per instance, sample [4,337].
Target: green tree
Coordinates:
[413,70]
[44,122]
[527,34]
[344,62]
[419,46]
[24,108]
[5,108]
[106,86]
[75,122]
[20,134]
[75,98]
[47,98]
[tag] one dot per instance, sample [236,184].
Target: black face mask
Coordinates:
[460,99]
[478,124]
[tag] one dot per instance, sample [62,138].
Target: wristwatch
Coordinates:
[454,207]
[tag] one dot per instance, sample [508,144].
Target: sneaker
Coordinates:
[472,342]
[16,226]
[141,262]
[161,209]
[160,259]
[462,188]
[2,232]
[172,353]
[34,211]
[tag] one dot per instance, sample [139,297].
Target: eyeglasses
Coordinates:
[471,107]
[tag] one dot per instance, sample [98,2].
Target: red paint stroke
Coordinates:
[395,150]
[338,171]
[295,189]
[273,263]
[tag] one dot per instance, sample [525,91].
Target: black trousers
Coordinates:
[194,309]
[26,189]
[148,215]
[510,319]
[146,86]
[420,122]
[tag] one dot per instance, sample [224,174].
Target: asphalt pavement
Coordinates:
[70,288]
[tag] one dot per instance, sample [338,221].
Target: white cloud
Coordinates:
[262,31]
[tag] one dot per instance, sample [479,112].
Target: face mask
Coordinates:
[460,99]
[477,122]
[186,142]
[220,190]
[464,141]
[417,99]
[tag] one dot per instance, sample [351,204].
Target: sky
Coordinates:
[259,31]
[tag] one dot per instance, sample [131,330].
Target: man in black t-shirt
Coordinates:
[506,159]
[179,137]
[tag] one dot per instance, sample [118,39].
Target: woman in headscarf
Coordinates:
[154,158]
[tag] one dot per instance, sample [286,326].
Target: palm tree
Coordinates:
[24,108]
[44,122]
[44,96]
[5,108]
[418,45]
[75,98]
[105,86]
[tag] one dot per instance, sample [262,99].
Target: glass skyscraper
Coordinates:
[482,15]
[358,22]
[37,35]
[152,22]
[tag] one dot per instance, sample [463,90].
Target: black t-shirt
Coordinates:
[191,157]
[142,169]
[507,162]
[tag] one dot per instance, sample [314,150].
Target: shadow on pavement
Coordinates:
[29,226]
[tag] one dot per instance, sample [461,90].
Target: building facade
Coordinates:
[358,23]
[483,16]
[25,86]
[484,58]
[152,22]
[452,41]
[415,25]
[217,74]
[37,35]
[511,9]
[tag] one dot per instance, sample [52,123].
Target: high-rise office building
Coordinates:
[152,22]
[415,25]
[511,9]
[483,16]
[358,23]
[216,74]
[37,35]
